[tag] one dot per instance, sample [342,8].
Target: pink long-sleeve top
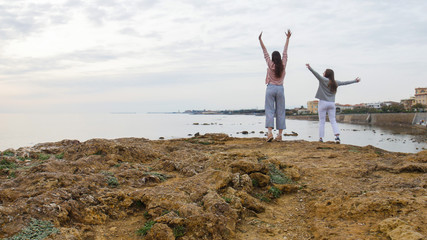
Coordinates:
[271,77]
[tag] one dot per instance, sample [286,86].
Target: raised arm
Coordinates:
[264,49]
[260,40]
[317,75]
[285,50]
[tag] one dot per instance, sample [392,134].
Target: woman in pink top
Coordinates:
[275,95]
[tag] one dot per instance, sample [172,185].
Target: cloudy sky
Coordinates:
[170,55]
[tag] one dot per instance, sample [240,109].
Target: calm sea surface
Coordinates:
[20,130]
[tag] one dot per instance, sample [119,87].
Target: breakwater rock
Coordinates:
[211,187]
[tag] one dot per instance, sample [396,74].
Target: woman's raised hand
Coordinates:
[288,33]
[308,65]
[358,79]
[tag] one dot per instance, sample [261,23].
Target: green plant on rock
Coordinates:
[36,230]
[8,153]
[276,176]
[178,231]
[59,156]
[44,157]
[112,181]
[146,228]
[23,158]
[275,192]
[262,197]
[12,174]
[107,173]
[262,158]
[99,153]
[227,199]
[4,164]
[324,148]
[147,215]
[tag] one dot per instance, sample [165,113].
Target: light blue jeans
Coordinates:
[275,106]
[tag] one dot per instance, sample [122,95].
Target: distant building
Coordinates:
[312,106]
[302,111]
[341,107]
[408,103]
[389,103]
[421,96]
[360,105]
[373,105]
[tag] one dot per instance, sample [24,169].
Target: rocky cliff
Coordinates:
[211,187]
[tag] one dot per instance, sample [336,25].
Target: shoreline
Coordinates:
[375,119]
[109,126]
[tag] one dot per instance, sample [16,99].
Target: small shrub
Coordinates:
[276,176]
[262,197]
[147,215]
[44,157]
[4,164]
[36,230]
[146,228]
[8,154]
[112,182]
[179,231]
[106,173]
[12,174]
[23,158]
[59,156]
[275,192]
[227,199]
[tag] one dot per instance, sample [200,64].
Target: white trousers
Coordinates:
[327,107]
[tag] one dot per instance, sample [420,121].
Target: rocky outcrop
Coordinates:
[212,187]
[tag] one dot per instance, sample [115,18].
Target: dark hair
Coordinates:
[277,59]
[329,73]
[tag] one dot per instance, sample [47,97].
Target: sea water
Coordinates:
[20,130]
